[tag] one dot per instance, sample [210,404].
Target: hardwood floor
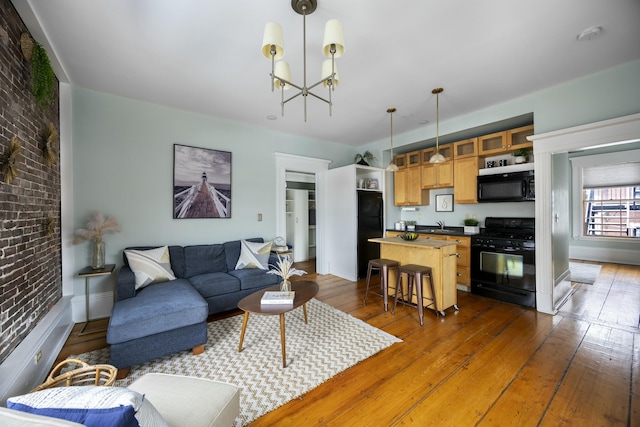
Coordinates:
[491,363]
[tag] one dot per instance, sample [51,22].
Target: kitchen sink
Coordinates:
[438,230]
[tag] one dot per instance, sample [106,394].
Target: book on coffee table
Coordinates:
[275,297]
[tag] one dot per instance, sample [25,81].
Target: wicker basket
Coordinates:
[85,375]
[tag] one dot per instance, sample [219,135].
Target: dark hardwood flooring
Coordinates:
[491,363]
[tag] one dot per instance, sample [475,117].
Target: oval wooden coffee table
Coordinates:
[304,289]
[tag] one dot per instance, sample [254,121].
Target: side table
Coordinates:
[88,273]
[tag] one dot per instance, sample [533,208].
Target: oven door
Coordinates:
[505,267]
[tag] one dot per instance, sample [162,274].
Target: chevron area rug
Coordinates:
[331,342]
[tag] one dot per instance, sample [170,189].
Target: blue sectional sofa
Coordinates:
[171,316]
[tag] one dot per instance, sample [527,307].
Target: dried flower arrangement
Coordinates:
[50,226]
[284,268]
[9,168]
[49,140]
[97,226]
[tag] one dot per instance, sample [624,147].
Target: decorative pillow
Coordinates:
[254,255]
[93,406]
[152,266]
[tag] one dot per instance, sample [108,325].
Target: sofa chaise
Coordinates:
[151,320]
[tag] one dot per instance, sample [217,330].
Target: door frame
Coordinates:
[294,163]
[608,132]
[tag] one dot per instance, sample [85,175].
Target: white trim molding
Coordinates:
[600,134]
[20,372]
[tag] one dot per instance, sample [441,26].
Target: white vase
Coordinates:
[520,159]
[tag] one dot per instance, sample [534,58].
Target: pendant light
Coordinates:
[392,166]
[437,158]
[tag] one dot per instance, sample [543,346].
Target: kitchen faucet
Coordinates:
[441,224]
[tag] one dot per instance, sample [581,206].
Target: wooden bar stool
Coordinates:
[383,265]
[416,273]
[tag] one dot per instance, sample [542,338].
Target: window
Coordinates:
[611,211]
[606,195]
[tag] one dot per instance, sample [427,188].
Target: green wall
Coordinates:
[123,167]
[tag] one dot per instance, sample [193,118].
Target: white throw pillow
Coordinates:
[93,406]
[151,266]
[254,255]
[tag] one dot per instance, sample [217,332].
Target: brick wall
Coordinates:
[30,260]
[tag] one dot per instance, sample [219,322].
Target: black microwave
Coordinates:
[506,187]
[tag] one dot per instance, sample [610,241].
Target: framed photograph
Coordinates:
[201,182]
[444,202]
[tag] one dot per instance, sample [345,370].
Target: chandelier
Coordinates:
[333,47]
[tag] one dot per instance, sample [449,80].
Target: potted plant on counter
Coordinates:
[521,155]
[411,225]
[471,225]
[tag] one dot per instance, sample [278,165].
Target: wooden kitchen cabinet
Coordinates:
[505,142]
[463,259]
[517,138]
[440,256]
[465,180]
[408,188]
[400,161]
[463,267]
[437,175]
[413,159]
[466,148]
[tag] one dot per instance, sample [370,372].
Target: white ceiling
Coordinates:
[204,56]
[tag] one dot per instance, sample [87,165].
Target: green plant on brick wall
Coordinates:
[43,79]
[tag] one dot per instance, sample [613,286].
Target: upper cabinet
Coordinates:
[406,181]
[437,175]
[466,164]
[466,148]
[505,142]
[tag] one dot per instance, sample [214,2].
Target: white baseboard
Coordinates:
[100,306]
[19,371]
[616,256]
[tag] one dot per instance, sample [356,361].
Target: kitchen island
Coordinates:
[440,255]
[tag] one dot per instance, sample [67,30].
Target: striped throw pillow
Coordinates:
[151,266]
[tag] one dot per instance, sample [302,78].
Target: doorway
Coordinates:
[301,215]
[288,163]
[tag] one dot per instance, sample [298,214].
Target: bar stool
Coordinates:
[417,272]
[383,265]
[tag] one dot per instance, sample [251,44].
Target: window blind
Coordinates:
[611,175]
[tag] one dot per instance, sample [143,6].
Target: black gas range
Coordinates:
[503,260]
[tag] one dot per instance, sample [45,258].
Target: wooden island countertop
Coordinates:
[440,255]
[435,244]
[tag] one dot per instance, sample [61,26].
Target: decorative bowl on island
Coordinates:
[409,236]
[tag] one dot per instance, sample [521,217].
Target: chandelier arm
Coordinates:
[321,81]
[319,97]
[273,76]
[293,97]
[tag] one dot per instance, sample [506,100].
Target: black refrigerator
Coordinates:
[370,225]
